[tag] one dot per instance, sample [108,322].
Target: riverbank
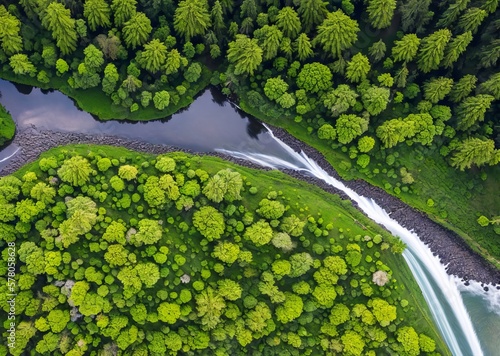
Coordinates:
[461,260]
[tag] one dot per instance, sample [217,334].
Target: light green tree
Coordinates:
[472,110]
[455,48]
[123,10]
[209,222]
[314,77]
[312,13]
[380,12]
[269,38]
[463,88]
[349,127]
[337,33]
[472,19]
[154,55]
[437,88]
[191,18]
[304,47]
[432,50]
[12,42]
[75,171]
[358,68]
[406,49]
[245,54]
[474,151]
[97,13]
[136,30]
[375,99]
[57,19]
[21,65]
[288,21]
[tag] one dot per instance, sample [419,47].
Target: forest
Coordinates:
[134,254]
[399,93]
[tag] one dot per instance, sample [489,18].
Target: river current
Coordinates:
[213,124]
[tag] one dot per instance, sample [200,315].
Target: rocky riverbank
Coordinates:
[461,260]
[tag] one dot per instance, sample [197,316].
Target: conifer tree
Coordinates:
[489,54]
[452,13]
[472,19]
[248,9]
[337,33]
[97,13]
[455,48]
[377,51]
[415,15]
[123,10]
[21,65]
[217,18]
[472,109]
[269,40]
[245,54]
[406,49]
[288,21]
[491,86]
[11,41]
[312,13]
[437,88]
[358,68]
[380,12]
[304,47]
[154,55]
[432,50]
[191,18]
[57,19]
[473,151]
[136,30]
[463,88]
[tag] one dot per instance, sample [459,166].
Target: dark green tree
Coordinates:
[312,13]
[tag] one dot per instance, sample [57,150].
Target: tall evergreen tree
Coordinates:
[472,19]
[491,86]
[57,19]
[472,109]
[463,88]
[437,88]
[406,49]
[312,13]
[288,21]
[377,50]
[490,6]
[473,151]
[304,47]
[136,30]
[401,76]
[432,50]
[123,10]
[269,40]
[217,18]
[191,18]
[489,54]
[248,9]
[97,13]
[245,54]
[358,68]
[415,15]
[338,32]
[455,48]
[11,41]
[452,13]
[21,65]
[154,55]
[380,12]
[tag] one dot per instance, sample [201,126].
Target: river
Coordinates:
[212,124]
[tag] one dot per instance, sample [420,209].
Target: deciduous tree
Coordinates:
[314,77]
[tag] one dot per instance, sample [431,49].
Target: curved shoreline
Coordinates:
[462,261]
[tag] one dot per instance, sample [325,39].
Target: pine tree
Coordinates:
[57,19]
[415,15]
[245,53]
[337,33]
[248,9]
[437,88]
[432,50]
[191,18]
[455,48]
[401,76]
[491,86]
[380,12]
[123,10]
[21,65]
[377,50]
[289,22]
[246,26]
[304,47]
[154,55]
[472,109]
[136,30]
[97,13]
[312,13]
[406,49]
[217,18]
[490,6]
[472,19]
[473,151]
[358,68]
[269,40]
[452,13]
[488,56]
[11,41]
[463,88]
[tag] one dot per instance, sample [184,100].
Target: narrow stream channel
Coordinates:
[212,124]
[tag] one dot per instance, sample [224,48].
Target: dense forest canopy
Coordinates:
[131,254]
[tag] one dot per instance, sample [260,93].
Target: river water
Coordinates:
[212,124]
